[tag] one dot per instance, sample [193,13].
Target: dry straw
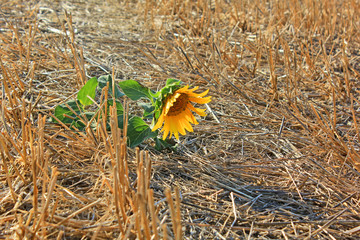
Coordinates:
[277,158]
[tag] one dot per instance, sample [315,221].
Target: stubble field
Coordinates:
[277,156]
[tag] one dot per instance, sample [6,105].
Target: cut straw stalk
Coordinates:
[44,210]
[175,212]
[144,221]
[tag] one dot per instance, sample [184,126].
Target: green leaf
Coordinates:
[119,106]
[66,116]
[79,124]
[155,94]
[87,90]
[171,81]
[62,112]
[163,144]
[148,110]
[120,121]
[87,115]
[138,131]
[165,91]
[156,116]
[103,80]
[135,90]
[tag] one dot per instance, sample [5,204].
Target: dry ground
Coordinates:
[277,157]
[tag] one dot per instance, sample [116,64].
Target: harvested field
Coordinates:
[276,157]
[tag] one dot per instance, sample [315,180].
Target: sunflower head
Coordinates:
[175,108]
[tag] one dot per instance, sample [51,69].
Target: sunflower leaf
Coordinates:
[148,110]
[87,90]
[119,106]
[163,144]
[64,114]
[155,94]
[138,131]
[135,90]
[172,81]
[103,80]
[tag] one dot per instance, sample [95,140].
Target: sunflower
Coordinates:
[176,112]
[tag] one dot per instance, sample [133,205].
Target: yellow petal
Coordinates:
[187,125]
[194,89]
[183,126]
[173,128]
[159,122]
[198,94]
[166,129]
[191,118]
[200,100]
[183,89]
[199,111]
[203,93]
[170,102]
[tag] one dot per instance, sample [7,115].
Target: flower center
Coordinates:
[179,105]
